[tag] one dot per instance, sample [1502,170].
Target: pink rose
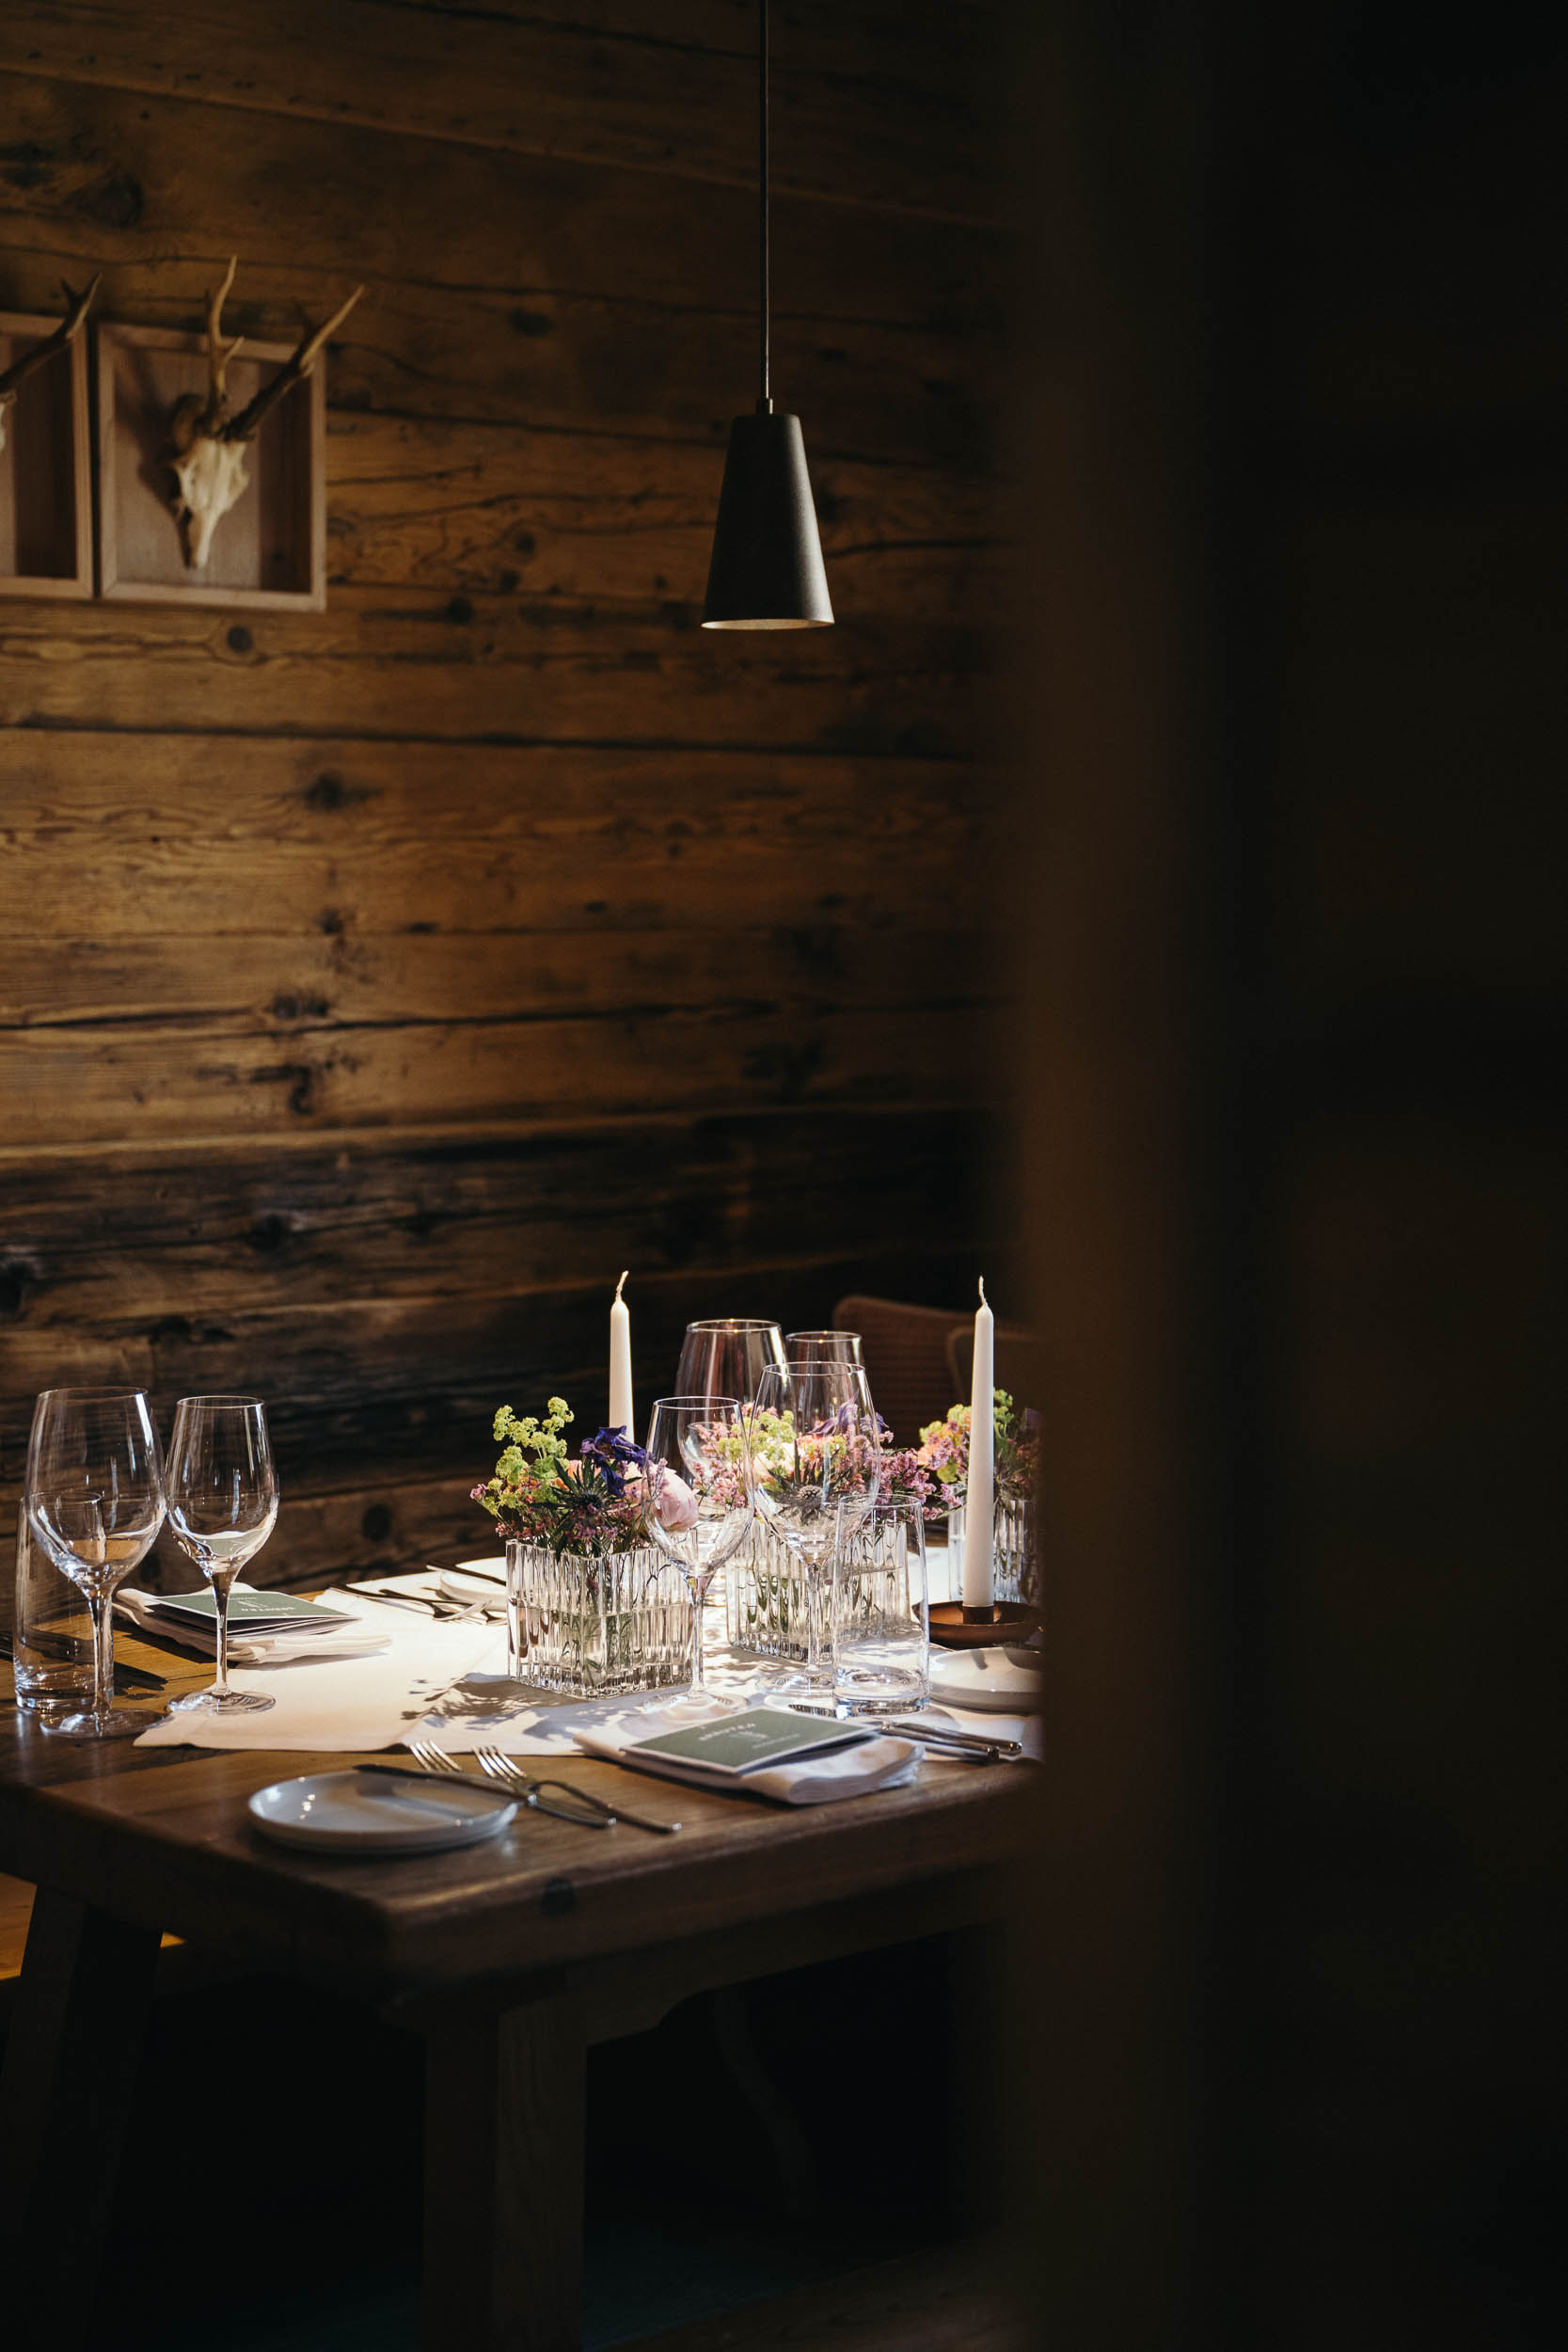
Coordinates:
[675,1504]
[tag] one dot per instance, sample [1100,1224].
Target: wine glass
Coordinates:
[727,1356]
[698,1506]
[817,1462]
[834,1347]
[222,1506]
[95,1502]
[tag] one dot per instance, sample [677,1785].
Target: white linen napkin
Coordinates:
[884,1762]
[371,1700]
[489,1711]
[247,1649]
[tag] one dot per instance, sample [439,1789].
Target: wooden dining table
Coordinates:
[508,1958]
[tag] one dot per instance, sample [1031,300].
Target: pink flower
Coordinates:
[675,1504]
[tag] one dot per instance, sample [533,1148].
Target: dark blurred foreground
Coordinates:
[1293,1170]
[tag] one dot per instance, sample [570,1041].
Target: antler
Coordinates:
[244,427]
[66,332]
[209,452]
[218,353]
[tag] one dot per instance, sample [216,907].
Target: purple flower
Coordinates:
[613,1454]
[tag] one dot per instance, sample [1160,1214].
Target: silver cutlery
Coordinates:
[141,1677]
[597,1815]
[987,1750]
[507,1769]
[481,1576]
[424,1604]
[984,1751]
[424,1776]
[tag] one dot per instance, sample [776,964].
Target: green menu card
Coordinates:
[738,1744]
[248,1607]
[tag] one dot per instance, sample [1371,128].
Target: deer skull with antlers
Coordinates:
[209,444]
[65,333]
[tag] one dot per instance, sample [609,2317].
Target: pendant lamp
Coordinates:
[767,569]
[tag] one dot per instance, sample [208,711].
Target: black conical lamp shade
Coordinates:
[767,570]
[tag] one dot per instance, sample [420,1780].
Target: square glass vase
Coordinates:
[1016,1572]
[766,1599]
[596,1627]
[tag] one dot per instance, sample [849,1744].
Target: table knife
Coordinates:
[123,1671]
[963,1742]
[476,1576]
[433,1780]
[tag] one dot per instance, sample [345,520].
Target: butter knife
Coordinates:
[431,1782]
[123,1673]
[959,1743]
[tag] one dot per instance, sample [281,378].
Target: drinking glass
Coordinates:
[881,1622]
[95,1503]
[699,1497]
[842,1347]
[222,1506]
[727,1357]
[816,1464]
[52,1662]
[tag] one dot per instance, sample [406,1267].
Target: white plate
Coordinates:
[456,1586]
[359,1812]
[985,1680]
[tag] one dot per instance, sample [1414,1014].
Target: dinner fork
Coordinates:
[590,1812]
[507,1769]
[436,1760]
[444,1611]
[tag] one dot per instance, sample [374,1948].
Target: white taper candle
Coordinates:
[980,1499]
[620,1364]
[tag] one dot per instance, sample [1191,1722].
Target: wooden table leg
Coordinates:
[504,2181]
[77,2032]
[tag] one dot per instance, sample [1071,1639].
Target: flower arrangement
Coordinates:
[771,1439]
[906,1478]
[540,1496]
[721,1469]
[944,1451]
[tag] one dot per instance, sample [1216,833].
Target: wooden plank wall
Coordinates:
[374,985]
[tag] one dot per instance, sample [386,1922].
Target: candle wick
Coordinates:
[620,1285]
[982,1290]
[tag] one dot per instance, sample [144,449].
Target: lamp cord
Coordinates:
[764,399]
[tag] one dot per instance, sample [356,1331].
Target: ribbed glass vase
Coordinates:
[765,1597]
[597,1627]
[1016,1574]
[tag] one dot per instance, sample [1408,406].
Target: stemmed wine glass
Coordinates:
[818,1469]
[699,1504]
[840,1347]
[727,1356]
[95,1503]
[222,1506]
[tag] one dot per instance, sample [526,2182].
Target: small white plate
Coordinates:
[360,1812]
[456,1586]
[987,1680]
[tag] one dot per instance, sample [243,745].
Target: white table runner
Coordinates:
[446,1680]
[342,1704]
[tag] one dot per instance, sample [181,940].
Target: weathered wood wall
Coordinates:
[374,985]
